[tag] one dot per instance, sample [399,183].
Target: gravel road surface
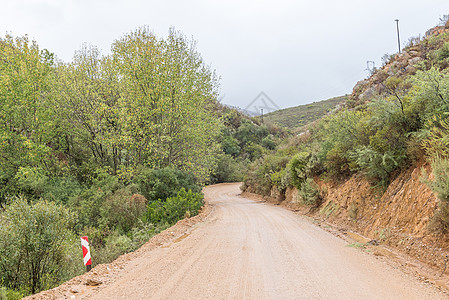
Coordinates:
[252,250]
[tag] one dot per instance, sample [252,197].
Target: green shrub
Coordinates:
[268,143]
[228,169]
[253,151]
[259,174]
[301,167]
[281,179]
[230,146]
[116,245]
[34,243]
[443,52]
[175,208]
[31,180]
[309,193]
[62,189]
[162,183]
[440,186]
[123,209]
[9,294]
[88,204]
[377,167]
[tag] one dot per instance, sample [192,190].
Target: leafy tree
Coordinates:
[26,118]
[34,243]
[167,97]
[163,183]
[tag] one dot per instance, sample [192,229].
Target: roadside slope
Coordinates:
[250,250]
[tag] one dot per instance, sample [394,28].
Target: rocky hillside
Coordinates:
[426,51]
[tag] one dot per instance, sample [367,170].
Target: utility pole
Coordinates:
[261,115]
[399,40]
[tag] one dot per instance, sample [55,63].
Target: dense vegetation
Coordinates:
[294,117]
[115,147]
[393,120]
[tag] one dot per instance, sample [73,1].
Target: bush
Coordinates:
[268,143]
[281,179]
[163,183]
[123,209]
[309,193]
[440,186]
[34,243]
[301,167]
[88,204]
[31,181]
[175,208]
[377,167]
[116,245]
[8,294]
[228,169]
[230,146]
[62,189]
[253,151]
[443,52]
[259,175]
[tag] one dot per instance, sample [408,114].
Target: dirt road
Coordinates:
[251,250]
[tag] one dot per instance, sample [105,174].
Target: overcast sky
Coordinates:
[296,52]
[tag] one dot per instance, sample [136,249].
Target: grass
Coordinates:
[330,208]
[301,115]
[357,245]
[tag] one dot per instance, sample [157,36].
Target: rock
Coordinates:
[414,60]
[93,282]
[413,53]
[74,291]
[367,94]
[373,242]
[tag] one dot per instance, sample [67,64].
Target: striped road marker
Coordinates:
[86,253]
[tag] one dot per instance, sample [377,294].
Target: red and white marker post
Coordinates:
[86,253]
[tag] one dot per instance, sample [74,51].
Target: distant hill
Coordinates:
[301,115]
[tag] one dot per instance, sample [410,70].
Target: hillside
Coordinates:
[380,164]
[294,117]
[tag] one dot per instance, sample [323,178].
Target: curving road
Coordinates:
[251,250]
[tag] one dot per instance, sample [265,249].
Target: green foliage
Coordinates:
[440,183]
[26,121]
[88,204]
[436,142]
[440,186]
[443,52]
[339,134]
[309,193]
[61,189]
[175,208]
[228,169]
[253,151]
[376,166]
[268,143]
[301,167]
[166,91]
[230,146]
[123,210]
[35,241]
[163,183]
[9,294]
[244,140]
[116,245]
[260,173]
[281,179]
[31,180]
